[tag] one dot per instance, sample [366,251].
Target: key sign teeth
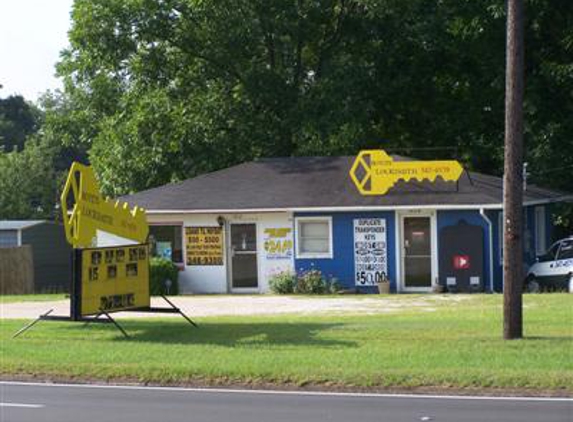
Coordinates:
[85,211]
[374,172]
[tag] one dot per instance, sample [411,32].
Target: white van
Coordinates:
[554,269]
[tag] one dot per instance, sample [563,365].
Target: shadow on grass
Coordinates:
[228,334]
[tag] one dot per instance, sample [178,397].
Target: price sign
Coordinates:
[204,245]
[370,251]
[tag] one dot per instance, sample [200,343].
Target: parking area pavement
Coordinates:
[220,305]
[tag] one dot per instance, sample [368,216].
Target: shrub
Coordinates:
[283,283]
[311,282]
[161,269]
[306,282]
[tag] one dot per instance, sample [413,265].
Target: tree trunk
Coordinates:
[513,176]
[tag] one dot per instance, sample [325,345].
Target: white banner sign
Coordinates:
[370,251]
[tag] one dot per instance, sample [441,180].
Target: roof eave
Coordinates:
[492,206]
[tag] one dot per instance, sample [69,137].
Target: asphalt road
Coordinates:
[62,403]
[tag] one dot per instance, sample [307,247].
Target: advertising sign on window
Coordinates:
[278,243]
[370,251]
[164,250]
[204,245]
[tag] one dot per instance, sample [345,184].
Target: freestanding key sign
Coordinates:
[111,278]
[106,278]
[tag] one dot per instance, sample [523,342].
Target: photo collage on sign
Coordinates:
[109,264]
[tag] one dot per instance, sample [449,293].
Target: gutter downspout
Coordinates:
[490,225]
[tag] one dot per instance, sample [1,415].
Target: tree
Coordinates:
[162,91]
[28,182]
[18,120]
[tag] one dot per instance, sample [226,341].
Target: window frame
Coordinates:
[173,224]
[313,255]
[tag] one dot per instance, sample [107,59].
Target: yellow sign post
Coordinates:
[90,212]
[374,172]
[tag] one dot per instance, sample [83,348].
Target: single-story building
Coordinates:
[51,253]
[233,229]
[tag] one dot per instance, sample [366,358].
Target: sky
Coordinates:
[32,34]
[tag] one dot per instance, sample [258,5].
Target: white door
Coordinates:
[243,252]
[418,252]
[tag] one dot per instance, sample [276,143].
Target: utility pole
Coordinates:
[513,175]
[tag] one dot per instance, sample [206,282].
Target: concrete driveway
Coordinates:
[219,305]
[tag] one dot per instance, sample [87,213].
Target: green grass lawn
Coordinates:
[32,298]
[457,345]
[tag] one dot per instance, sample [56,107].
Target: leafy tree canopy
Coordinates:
[18,120]
[161,91]
[158,91]
[28,182]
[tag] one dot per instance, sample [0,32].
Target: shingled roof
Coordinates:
[300,183]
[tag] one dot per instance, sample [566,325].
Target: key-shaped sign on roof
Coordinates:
[85,212]
[374,172]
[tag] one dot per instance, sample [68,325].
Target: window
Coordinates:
[566,250]
[166,241]
[550,254]
[8,238]
[314,237]
[540,236]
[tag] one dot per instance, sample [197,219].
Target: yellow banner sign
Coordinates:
[204,245]
[114,279]
[85,211]
[374,172]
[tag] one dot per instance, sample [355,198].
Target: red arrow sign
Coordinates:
[461,262]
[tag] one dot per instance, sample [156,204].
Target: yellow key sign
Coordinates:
[374,172]
[91,212]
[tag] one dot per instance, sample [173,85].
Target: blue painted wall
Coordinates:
[529,254]
[341,265]
[452,218]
